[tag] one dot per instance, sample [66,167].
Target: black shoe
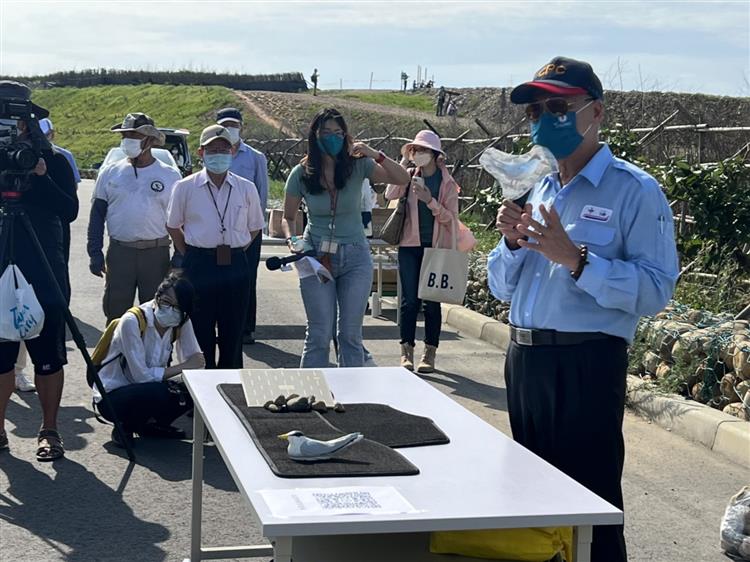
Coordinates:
[116,438]
[162,431]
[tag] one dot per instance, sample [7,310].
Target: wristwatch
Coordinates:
[381,157]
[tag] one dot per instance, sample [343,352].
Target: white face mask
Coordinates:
[131,147]
[168,316]
[422,159]
[234,134]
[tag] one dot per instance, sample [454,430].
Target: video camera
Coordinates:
[18,158]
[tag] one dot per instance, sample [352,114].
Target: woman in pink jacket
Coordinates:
[431,213]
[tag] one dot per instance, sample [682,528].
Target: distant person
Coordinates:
[314,80]
[178,157]
[252,165]
[432,208]
[213,217]
[452,109]
[439,101]
[329,179]
[404,80]
[137,373]
[591,252]
[131,198]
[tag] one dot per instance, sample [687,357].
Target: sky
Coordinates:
[654,45]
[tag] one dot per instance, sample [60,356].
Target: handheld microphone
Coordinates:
[273,263]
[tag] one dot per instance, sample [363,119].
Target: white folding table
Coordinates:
[480,480]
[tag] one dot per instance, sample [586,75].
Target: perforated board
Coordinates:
[262,385]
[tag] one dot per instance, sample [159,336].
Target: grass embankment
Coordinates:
[405,100]
[83,116]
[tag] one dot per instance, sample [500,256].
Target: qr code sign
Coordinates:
[346,500]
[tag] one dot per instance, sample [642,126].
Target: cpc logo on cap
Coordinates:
[548,69]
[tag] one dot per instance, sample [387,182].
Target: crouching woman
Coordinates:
[136,372]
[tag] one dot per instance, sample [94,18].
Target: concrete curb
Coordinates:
[697,422]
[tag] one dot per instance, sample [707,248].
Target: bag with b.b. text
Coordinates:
[21,315]
[444,273]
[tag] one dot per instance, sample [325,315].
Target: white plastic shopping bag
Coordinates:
[444,274]
[21,315]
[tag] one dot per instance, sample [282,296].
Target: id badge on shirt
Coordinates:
[329,247]
[223,255]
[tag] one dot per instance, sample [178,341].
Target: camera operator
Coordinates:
[49,197]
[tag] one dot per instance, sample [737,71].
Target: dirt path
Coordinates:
[270,106]
[262,115]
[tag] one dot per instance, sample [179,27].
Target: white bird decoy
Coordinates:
[302,448]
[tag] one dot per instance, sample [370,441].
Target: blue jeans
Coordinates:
[347,294]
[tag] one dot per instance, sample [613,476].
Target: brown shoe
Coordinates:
[427,364]
[407,356]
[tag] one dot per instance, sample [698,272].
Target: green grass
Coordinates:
[83,116]
[276,190]
[486,239]
[416,102]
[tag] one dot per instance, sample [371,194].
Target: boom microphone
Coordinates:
[273,263]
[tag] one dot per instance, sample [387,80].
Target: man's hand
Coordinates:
[176,261]
[551,240]
[508,219]
[41,168]
[96,265]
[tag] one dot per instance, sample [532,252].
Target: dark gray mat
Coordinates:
[365,458]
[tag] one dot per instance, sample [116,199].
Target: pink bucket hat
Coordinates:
[425,138]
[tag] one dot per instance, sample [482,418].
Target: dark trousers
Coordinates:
[409,265]
[221,303]
[137,404]
[253,260]
[566,404]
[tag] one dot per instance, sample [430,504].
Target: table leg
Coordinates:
[582,536]
[197,500]
[282,549]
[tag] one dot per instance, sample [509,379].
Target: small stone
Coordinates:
[339,407]
[299,404]
[288,398]
[272,407]
[320,406]
[267,404]
[280,400]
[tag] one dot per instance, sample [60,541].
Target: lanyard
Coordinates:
[222,216]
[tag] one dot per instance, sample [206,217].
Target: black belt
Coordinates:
[210,251]
[528,336]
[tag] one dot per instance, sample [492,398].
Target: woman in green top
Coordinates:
[329,179]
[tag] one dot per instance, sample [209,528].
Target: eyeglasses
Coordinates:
[555,106]
[165,302]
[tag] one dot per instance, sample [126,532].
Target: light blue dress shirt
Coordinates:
[621,214]
[71,160]
[252,165]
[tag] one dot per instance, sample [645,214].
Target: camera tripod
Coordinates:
[12,210]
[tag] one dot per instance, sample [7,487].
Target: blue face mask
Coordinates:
[331,144]
[558,133]
[217,163]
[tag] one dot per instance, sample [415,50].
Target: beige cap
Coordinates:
[140,123]
[213,132]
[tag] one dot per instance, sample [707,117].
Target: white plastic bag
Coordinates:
[735,526]
[21,315]
[518,173]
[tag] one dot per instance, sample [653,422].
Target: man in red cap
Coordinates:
[591,251]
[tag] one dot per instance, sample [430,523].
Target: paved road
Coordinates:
[93,506]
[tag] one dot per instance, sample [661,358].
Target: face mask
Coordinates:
[168,316]
[131,147]
[217,163]
[421,159]
[331,144]
[234,134]
[558,132]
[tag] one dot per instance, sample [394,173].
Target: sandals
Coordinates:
[50,446]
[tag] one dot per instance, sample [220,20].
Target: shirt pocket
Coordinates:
[240,218]
[590,234]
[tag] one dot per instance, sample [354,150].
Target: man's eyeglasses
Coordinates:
[555,106]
